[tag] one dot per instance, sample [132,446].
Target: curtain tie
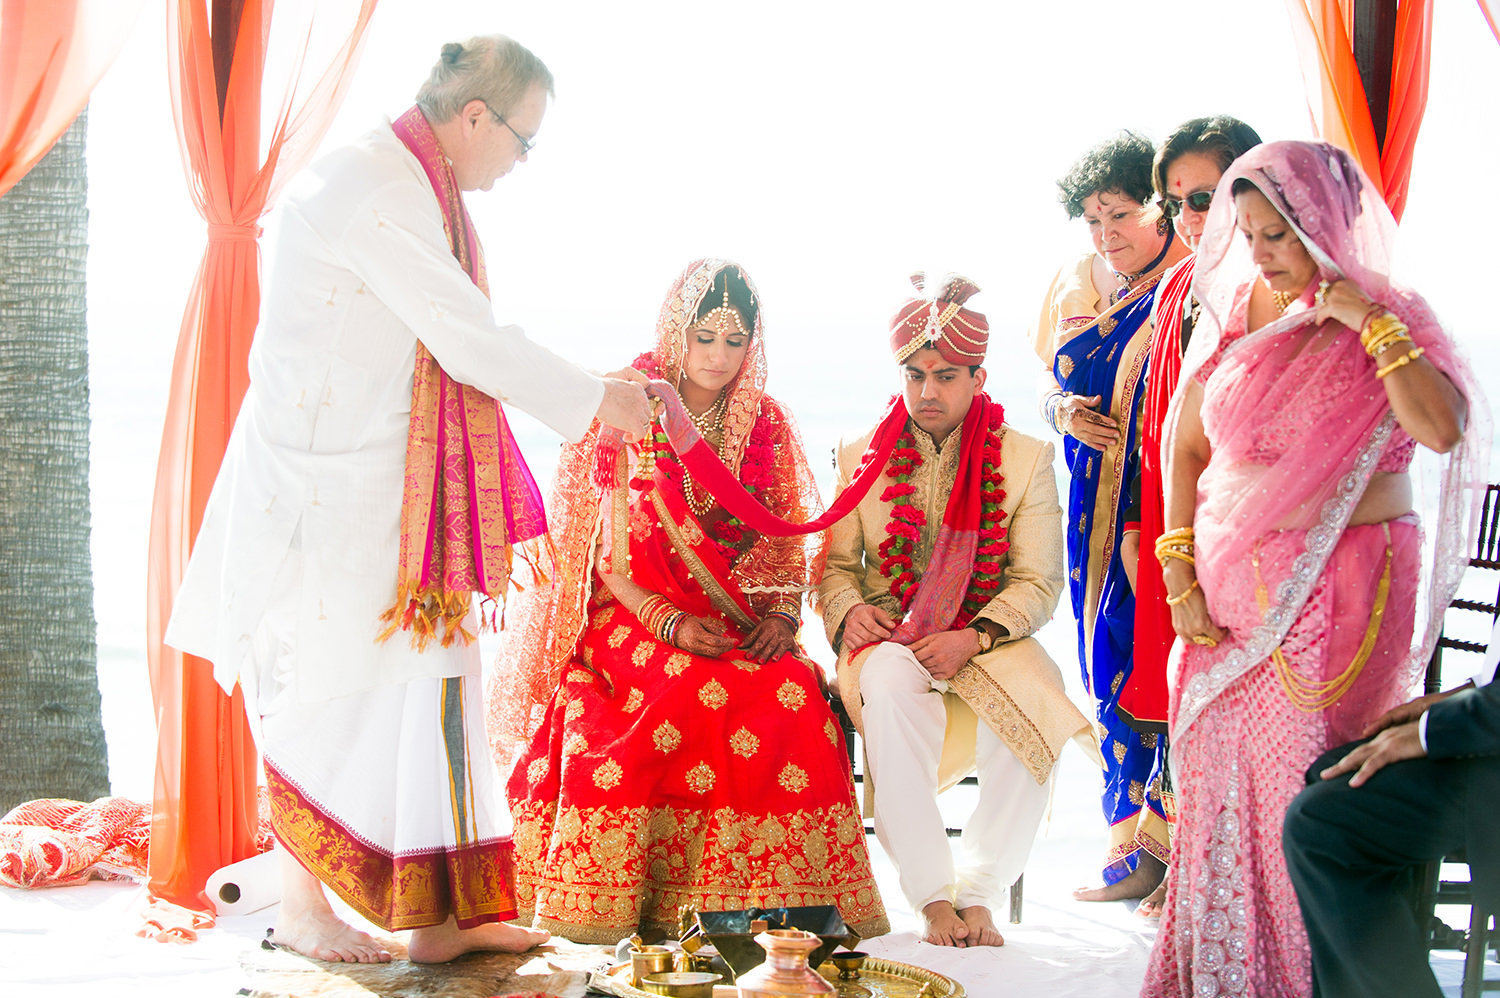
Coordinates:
[232,231]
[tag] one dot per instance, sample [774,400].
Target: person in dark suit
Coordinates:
[1426,784]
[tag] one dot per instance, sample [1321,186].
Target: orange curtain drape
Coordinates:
[52,52]
[204,811]
[1336,95]
[1489,18]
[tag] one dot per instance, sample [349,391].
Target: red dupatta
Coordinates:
[704,464]
[1143,700]
[469,497]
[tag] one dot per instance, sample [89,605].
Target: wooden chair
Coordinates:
[856,757]
[1433,889]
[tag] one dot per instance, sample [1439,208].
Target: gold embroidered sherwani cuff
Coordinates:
[835,607]
[1016,624]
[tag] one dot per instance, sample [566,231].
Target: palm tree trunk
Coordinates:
[51,733]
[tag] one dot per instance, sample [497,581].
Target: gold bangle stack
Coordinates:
[660,616]
[1400,361]
[1175,544]
[1182,596]
[1383,332]
[788,608]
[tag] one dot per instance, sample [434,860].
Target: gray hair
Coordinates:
[492,68]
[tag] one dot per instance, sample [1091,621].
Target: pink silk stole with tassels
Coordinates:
[469,497]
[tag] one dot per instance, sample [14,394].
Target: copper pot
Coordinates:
[785,973]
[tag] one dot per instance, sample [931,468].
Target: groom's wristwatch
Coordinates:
[986,640]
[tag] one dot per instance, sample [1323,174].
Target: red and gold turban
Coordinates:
[941,322]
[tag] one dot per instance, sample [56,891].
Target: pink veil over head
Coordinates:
[1317,478]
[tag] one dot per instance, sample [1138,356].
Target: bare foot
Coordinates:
[323,936]
[944,926]
[306,923]
[1141,882]
[1152,904]
[441,943]
[981,925]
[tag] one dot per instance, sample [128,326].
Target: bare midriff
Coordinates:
[1386,497]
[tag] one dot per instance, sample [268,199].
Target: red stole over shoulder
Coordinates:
[1143,701]
[468,497]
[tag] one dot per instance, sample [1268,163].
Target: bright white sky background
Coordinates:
[831,148]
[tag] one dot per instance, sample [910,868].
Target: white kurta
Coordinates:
[317,457]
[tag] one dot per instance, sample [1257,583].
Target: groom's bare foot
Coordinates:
[323,936]
[943,926]
[1144,879]
[981,925]
[441,943]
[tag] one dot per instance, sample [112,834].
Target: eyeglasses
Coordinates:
[1172,207]
[526,144]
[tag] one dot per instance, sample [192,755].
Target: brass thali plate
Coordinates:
[877,979]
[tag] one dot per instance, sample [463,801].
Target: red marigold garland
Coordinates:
[984,580]
[906,522]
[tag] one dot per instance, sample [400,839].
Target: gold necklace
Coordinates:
[712,418]
[1283,300]
[710,425]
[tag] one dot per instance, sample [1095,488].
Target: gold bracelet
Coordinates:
[1170,553]
[1182,596]
[1401,361]
[1379,328]
[1377,347]
[1180,538]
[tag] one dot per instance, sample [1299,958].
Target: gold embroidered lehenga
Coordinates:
[651,779]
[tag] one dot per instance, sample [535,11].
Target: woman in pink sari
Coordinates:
[1292,557]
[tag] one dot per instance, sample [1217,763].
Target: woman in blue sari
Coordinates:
[1095,335]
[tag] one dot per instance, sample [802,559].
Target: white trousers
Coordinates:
[904,721]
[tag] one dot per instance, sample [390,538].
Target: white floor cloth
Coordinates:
[79,942]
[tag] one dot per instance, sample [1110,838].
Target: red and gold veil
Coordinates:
[545,621]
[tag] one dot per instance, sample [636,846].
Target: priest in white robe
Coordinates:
[370,489]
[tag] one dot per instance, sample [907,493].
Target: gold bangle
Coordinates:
[1401,361]
[1182,596]
[1179,539]
[1379,346]
[1387,342]
[1170,553]
[1379,328]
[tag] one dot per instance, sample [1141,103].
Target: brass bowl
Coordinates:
[680,985]
[849,964]
[646,961]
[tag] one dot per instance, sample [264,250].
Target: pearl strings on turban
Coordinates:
[940,321]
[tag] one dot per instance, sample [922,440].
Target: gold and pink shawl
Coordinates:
[469,498]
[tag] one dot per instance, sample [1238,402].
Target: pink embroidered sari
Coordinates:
[1297,424]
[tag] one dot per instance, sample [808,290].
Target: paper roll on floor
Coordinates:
[246,886]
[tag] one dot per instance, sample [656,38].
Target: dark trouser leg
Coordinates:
[1351,853]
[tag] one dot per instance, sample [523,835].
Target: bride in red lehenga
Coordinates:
[675,747]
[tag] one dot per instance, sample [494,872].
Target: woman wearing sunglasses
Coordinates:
[1186,170]
[1094,335]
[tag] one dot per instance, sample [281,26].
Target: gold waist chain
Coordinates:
[1315,694]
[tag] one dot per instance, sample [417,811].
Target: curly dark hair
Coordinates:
[739,296]
[1220,136]
[1121,164]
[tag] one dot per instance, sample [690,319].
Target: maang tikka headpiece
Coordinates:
[724,313]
